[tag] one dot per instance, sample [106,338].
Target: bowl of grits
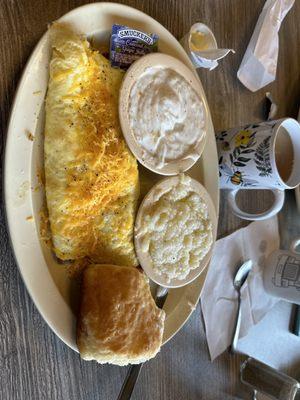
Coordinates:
[175,230]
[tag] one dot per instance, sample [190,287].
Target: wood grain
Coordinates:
[34,363]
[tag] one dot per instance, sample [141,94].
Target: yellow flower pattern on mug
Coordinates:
[242,138]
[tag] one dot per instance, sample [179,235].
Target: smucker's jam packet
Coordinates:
[128,44]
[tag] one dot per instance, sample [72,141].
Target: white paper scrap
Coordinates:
[258,67]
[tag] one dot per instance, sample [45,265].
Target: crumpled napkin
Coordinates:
[204,53]
[219,298]
[258,67]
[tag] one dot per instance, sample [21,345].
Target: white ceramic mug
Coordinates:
[260,156]
[281,276]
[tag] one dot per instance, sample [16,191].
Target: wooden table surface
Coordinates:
[34,363]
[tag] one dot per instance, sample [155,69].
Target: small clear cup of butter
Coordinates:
[201,38]
[201,46]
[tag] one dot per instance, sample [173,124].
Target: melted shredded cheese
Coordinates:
[91,177]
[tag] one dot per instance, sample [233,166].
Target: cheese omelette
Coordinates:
[92,182]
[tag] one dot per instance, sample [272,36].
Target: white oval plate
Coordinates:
[144,257]
[132,75]
[52,291]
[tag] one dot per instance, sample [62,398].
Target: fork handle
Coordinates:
[134,370]
[129,382]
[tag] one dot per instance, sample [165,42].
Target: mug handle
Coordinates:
[276,207]
[295,243]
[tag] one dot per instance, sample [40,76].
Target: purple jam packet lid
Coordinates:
[128,44]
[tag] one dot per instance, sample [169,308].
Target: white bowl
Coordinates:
[144,257]
[132,75]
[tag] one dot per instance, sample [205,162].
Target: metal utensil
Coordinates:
[134,370]
[239,279]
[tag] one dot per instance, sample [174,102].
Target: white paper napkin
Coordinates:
[272,343]
[258,67]
[219,298]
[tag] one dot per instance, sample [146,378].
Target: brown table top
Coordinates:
[34,363]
